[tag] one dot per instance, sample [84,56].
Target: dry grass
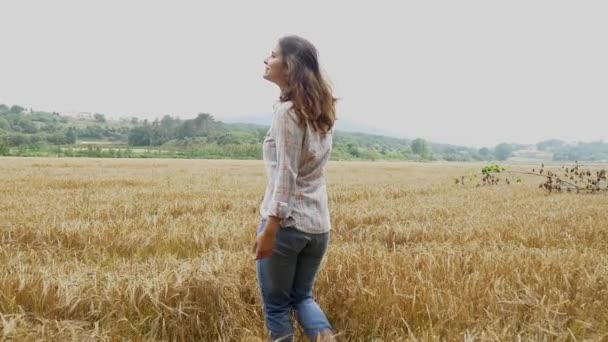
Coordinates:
[159,250]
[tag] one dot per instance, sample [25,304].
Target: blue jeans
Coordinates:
[286,279]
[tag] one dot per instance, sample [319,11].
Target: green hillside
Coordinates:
[26,132]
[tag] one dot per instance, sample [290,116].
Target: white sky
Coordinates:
[462,72]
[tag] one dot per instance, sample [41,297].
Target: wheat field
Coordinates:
[160,250]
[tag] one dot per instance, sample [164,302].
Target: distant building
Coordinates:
[79,115]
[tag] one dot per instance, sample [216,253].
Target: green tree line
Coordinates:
[29,132]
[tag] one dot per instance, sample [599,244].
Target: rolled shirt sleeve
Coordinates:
[289,136]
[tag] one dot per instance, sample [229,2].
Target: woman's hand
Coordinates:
[264,243]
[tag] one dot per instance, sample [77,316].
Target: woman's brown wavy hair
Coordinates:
[310,93]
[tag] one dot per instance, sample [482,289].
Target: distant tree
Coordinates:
[353,149]
[51,127]
[4,109]
[4,124]
[420,147]
[503,151]
[140,136]
[99,117]
[261,134]
[57,138]
[485,153]
[370,154]
[186,130]
[168,123]
[17,109]
[159,134]
[227,139]
[550,144]
[405,152]
[593,151]
[17,139]
[92,132]
[4,150]
[70,136]
[204,124]
[27,126]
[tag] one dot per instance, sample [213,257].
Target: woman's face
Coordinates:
[275,68]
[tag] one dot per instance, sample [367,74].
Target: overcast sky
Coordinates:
[462,72]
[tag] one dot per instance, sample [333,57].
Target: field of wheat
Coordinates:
[115,249]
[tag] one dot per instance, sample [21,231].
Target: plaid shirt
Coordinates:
[295,157]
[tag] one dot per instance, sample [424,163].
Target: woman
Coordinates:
[294,229]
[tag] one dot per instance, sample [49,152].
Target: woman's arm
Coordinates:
[288,140]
